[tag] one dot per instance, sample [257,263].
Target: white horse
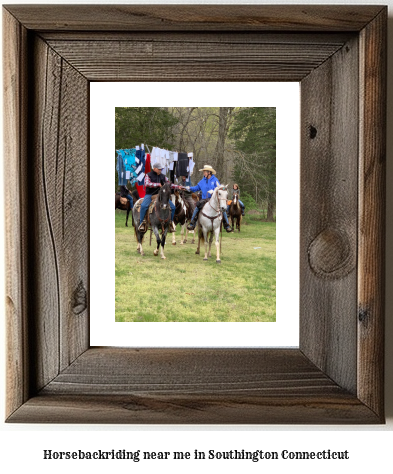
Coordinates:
[209,219]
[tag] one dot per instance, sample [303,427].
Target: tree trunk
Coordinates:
[270,211]
[225,113]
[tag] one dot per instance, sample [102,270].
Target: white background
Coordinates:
[104,97]
[369,446]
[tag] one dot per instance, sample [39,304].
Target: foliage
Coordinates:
[149,125]
[248,201]
[241,288]
[254,136]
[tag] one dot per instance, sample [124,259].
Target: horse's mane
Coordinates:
[166,186]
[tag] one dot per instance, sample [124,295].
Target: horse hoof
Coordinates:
[173,243]
[205,259]
[218,261]
[164,258]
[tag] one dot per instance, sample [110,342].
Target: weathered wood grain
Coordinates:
[372,190]
[60,180]
[196,17]
[15,104]
[187,60]
[329,173]
[193,386]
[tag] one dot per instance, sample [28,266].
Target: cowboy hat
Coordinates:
[208,168]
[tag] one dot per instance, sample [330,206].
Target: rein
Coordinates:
[162,221]
[214,217]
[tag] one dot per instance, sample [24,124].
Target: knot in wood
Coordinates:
[80,299]
[330,254]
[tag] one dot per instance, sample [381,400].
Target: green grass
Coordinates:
[185,288]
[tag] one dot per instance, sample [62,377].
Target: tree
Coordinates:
[224,122]
[152,126]
[254,136]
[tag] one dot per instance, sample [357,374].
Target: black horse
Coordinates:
[159,219]
[126,207]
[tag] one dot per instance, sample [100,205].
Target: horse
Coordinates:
[210,218]
[160,218]
[235,212]
[125,207]
[183,214]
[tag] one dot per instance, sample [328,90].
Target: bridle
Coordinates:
[214,217]
[162,221]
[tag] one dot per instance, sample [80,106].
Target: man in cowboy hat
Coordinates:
[208,183]
[153,182]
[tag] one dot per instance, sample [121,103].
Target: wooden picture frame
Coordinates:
[338,54]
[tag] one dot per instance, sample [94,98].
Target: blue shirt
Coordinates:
[206,185]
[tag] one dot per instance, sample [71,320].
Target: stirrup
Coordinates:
[142,226]
[191,226]
[228,228]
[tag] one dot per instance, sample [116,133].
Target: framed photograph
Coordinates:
[241,291]
[52,55]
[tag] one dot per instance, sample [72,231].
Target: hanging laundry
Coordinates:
[172,156]
[126,166]
[156,156]
[172,172]
[121,173]
[140,164]
[141,188]
[182,165]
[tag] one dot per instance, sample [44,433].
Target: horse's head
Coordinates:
[164,195]
[222,195]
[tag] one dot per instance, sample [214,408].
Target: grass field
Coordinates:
[185,288]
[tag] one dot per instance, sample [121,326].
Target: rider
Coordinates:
[236,190]
[185,181]
[125,193]
[153,182]
[208,183]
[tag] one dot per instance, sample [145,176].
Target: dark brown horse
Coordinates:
[158,219]
[125,207]
[235,212]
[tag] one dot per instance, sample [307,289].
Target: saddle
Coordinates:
[151,207]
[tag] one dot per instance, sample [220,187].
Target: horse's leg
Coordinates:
[174,238]
[199,241]
[156,233]
[205,235]
[163,238]
[196,231]
[140,240]
[128,211]
[182,241]
[217,235]
[210,244]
